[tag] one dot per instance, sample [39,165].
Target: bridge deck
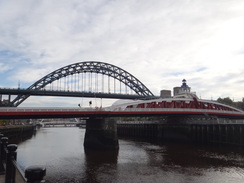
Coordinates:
[18,113]
[60,93]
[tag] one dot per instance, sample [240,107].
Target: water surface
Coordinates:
[61,151]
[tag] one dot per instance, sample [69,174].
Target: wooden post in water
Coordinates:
[219,134]
[160,131]
[226,134]
[241,135]
[208,134]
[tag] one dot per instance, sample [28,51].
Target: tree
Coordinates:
[226,101]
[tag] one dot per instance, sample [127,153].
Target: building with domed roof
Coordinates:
[183,91]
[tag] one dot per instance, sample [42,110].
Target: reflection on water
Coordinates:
[61,151]
[95,162]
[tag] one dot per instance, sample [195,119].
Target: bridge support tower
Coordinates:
[101,134]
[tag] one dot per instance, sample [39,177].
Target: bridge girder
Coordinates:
[183,103]
[88,67]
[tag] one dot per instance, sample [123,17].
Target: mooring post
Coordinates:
[10,168]
[4,143]
[35,174]
[2,169]
[1,135]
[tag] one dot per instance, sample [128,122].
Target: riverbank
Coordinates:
[15,131]
[18,178]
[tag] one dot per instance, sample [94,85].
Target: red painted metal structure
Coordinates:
[163,107]
[69,113]
[180,103]
[175,107]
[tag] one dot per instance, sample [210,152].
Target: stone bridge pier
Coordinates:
[101,134]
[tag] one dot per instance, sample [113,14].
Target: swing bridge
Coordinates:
[102,80]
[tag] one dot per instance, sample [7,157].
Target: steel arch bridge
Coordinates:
[102,68]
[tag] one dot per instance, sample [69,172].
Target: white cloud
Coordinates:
[159,42]
[3,67]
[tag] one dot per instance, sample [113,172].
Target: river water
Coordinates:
[61,151]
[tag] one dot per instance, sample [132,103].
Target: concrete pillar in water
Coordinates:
[101,134]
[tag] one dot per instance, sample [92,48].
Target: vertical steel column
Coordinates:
[65,83]
[78,78]
[90,82]
[75,82]
[114,85]
[71,82]
[84,81]
[108,84]
[120,86]
[102,83]
[96,82]
[9,99]
[60,84]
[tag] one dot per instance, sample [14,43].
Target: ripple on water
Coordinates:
[61,151]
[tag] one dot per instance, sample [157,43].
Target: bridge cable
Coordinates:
[102,83]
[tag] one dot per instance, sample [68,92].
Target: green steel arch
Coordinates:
[85,67]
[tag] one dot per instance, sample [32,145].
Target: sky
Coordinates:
[160,42]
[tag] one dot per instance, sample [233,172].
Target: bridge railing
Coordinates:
[8,165]
[44,109]
[179,110]
[112,109]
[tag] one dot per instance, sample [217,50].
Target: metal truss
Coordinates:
[184,104]
[89,67]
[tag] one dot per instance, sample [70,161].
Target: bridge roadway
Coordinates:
[35,113]
[60,93]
